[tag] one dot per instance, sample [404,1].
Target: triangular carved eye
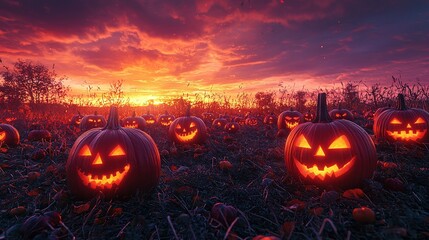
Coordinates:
[302,142]
[193,124]
[85,152]
[419,120]
[340,143]
[288,118]
[344,114]
[117,151]
[178,126]
[395,121]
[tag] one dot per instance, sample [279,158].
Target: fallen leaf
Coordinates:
[354,193]
[81,208]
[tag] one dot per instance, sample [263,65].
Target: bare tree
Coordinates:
[115,95]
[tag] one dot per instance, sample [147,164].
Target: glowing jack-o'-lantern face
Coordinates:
[97,176]
[76,120]
[186,133]
[341,113]
[92,121]
[326,152]
[252,121]
[165,119]
[208,117]
[403,124]
[188,130]
[134,122]
[399,130]
[219,123]
[334,161]
[149,118]
[289,119]
[2,135]
[270,119]
[232,127]
[131,124]
[308,117]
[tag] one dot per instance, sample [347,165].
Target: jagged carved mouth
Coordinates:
[150,121]
[131,125]
[331,171]
[166,123]
[187,136]
[103,181]
[291,125]
[407,135]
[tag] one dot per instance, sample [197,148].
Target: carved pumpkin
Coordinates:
[270,119]
[188,129]
[326,152]
[232,127]
[219,123]
[240,120]
[402,124]
[252,121]
[9,135]
[76,119]
[341,113]
[208,117]
[92,121]
[289,119]
[308,117]
[134,122]
[380,110]
[149,118]
[165,119]
[113,160]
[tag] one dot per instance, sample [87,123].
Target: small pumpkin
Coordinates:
[92,121]
[208,117]
[341,113]
[240,120]
[134,122]
[166,119]
[252,121]
[232,127]
[308,117]
[39,135]
[402,123]
[9,135]
[188,129]
[149,118]
[326,152]
[219,123]
[76,119]
[114,160]
[289,119]
[270,119]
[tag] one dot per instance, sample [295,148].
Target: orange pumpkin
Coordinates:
[341,113]
[289,119]
[149,118]
[113,160]
[165,119]
[402,124]
[188,129]
[76,119]
[92,121]
[326,152]
[134,122]
[270,119]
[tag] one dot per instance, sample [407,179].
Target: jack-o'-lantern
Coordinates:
[289,119]
[326,152]
[165,119]
[252,121]
[219,123]
[270,119]
[149,118]
[402,124]
[92,121]
[232,127]
[188,129]
[341,113]
[9,135]
[240,120]
[380,110]
[134,122]
[113,160]
[208,117]
[39,135]
[76,119]
[308,117]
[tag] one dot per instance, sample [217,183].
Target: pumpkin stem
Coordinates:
[134,114]
[188,110]
[401,102]
[95,113]
[322,115]
[113,120]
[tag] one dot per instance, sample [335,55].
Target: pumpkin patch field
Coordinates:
[181,176]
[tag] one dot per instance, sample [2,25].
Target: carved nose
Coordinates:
[320,152]
[408,125]
[97,160]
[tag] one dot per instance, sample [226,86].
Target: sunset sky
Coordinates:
[166,48]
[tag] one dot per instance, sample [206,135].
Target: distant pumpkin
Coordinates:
[188,129]
[113,160]
[232,127]
[39,135]
[289,119]
[208,117]
[326,152]
[270,119]
[402,124]
[92,121]
[76,119]
[308,117]
[252,121]
[149,118]
[134,122]
[166,119]
[219,123]
[9,135]
[341,113]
